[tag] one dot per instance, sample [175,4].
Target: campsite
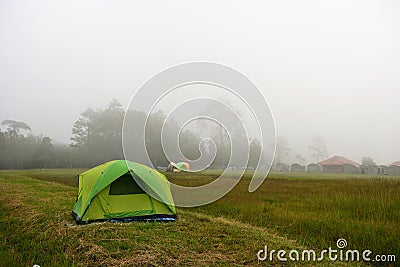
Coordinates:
[291,210]
[123,213]
[199,133]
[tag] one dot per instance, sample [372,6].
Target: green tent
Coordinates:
[178,167]
[109,192]
[181,166]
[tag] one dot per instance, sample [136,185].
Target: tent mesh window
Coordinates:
[125,185]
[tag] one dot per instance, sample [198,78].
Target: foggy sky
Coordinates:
[327,68]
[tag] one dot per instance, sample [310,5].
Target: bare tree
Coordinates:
[367,161]
[300,159]
[282,149]
[318,149]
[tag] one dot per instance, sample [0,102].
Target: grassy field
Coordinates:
[289,211]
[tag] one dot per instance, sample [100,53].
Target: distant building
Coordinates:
[314,168]
[383,169]
[396,163]
[280,167]
[370,169]
[295,167]
[337,164]
[394,169]
[350,168]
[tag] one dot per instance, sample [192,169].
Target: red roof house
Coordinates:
[336,164]
[396,163]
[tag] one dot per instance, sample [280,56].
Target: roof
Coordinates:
[396,163]
[337,160]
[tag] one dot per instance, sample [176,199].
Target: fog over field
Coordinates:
[328,69]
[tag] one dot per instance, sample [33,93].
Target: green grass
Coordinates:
[62,176]
[318,212]
[289,211]
[37,229]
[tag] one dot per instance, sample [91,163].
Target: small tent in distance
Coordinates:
[109,192]
[178,167]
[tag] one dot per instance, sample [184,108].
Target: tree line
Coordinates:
[97,138]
